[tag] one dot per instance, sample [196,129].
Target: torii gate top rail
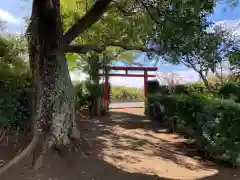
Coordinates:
[126,69]
[132,68]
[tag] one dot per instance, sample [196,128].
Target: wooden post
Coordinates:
[106,88]
[145,83]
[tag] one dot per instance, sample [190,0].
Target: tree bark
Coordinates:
[54,122]
[54,97]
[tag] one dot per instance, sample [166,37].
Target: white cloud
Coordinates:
[232,25]
[9,18]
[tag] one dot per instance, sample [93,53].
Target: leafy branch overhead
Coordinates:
[133,24]
[93,15]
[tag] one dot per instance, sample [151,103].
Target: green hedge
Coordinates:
[153,87]
[156,89]
[214,123]
[15,100]
[230,91]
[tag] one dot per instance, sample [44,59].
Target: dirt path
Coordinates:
[125,148]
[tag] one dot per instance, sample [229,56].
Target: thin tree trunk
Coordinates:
[94,76]
[205,81]
[98,103]
[200,72]
[96,107]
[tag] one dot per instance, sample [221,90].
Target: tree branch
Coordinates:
[83,49]
[149,13]
[93,15]
[135,48]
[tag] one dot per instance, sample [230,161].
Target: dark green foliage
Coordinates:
[15,100]
[189,88]
[164,90]
[153,87]
[178,89]
[15,83]
[230,90]
[214,122]
[81,100]
[234,60]
[196,87]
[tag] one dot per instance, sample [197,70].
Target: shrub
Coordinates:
[196,87]
[153,87]
[15,100]
[230,91]
[15,83]
[163,90]
[178,89]
[80,99]
[214,122]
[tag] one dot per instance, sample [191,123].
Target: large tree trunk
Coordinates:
[55,113]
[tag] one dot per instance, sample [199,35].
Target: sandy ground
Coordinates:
[124,147]
[117,105]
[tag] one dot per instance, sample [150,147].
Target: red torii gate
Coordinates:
[106,74]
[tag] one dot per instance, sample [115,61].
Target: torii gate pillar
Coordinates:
[145,83]
[126,69]
[106,100]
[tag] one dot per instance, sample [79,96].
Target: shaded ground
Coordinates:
[124,148]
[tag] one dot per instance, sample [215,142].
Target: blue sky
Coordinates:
[13,11]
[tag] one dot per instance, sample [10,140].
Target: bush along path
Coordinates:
[212,122]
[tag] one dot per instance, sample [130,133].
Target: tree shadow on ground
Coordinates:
[74,168]
[130,121]
[134,121]
[152,147]
[174,151]
[108,135]
[70,167]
